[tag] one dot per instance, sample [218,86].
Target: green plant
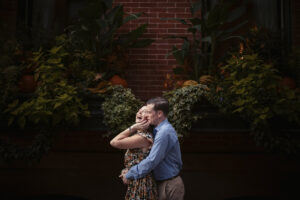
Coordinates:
[251,89]
[119,109]
[56,102]
[40,145]
[197,55]
[182,103]
[97,31]
[9,69]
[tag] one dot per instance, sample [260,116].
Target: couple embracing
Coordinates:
[153,157]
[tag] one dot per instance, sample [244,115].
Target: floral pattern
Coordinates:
[143,188]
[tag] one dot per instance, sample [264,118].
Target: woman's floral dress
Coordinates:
[143,188]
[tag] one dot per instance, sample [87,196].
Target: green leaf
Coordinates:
[240,109]
[56,105]
[131,37]
[54,60]
[131,17]
[55,49]
[178,54]
[207,39]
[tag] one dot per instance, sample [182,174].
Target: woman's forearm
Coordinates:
[124,134]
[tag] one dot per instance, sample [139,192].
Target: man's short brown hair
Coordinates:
[160,103]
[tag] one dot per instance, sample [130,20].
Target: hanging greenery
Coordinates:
[119,109]
[251,88]
[56,101]
[182,107]
[41,145]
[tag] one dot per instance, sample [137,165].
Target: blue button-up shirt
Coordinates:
[164,158]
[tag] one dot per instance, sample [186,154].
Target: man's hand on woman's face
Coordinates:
[143,125]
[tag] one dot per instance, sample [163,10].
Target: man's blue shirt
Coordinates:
[164,158]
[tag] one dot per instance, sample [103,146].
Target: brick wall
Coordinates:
[149,66]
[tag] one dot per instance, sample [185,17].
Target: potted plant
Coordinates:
[197,55]
[97,32]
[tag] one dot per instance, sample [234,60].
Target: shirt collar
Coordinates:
[158,127]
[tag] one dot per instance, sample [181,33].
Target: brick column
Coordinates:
[149,66]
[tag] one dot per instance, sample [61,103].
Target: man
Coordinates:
[164,158]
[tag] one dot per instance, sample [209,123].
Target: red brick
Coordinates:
[179,25]
[183,16]
[145,10]
[151,14]
[176,10]
[147,5]
[158,62]
[166,5]
[155,52]
[183,5]
[176,30]
[150,26]
[159,9]
[130,5]
[158,30]
[157,21]
[122,1]
[166,15]
[166,25]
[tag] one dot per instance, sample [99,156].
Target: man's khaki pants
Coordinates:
[172,189]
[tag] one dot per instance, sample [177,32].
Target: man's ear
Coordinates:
[160,113]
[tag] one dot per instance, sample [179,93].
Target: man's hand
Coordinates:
[123,176]
[143,125]
[125,180]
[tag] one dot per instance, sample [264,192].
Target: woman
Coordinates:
[138,140]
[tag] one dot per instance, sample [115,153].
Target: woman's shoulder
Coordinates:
[145,134]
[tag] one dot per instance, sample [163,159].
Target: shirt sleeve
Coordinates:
[156,155]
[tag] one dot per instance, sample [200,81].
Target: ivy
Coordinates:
[56,101]
[41,145]
[119,109]
[251,89]
[182,103]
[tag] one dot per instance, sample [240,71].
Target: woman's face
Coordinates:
[140,115]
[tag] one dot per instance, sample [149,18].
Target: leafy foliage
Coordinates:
[56,101]
[119,109]
[41,145]
[182,103]
[251,89]
[97,31]
[10,68]
[197,54]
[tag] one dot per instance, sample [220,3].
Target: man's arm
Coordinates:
[156,155]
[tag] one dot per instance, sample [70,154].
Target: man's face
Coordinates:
[151,114]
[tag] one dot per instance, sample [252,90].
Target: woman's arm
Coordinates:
[125,141]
